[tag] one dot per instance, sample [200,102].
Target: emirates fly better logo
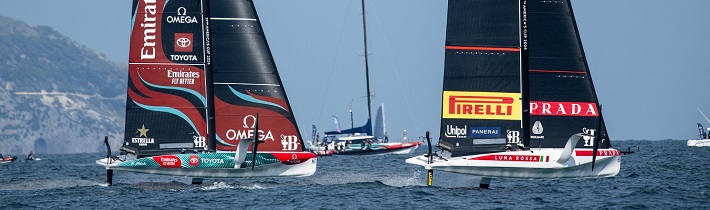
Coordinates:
[183,42]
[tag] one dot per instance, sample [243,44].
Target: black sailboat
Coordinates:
[361,140]
[518,95]
[202,87]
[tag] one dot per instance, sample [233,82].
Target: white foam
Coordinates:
[224,185]
[404,181]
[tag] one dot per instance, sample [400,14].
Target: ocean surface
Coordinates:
[662,175]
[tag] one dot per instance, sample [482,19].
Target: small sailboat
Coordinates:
[361,140]
[704,137]
[204,97]
[518,99]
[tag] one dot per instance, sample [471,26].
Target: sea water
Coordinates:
[662,175]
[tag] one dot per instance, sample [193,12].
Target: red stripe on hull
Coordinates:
[403,145]
[517,158]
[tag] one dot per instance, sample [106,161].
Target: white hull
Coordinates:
[699,143]
[405,151]
[533,164]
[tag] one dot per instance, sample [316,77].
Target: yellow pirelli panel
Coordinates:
[481,105]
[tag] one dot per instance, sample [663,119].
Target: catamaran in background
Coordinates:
[202,87]
[360,140]
[704,137]
[503,58]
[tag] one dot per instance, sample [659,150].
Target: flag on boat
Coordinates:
[337,124]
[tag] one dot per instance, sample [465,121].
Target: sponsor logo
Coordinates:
[183,57]
[453,131]
[517,158]
[481,105]
[200,141]
[537,130]
[513,137]
[575,109]
[294,160]
[289,142]
[180,77]
[149,25]
[182,17]
[212,161]
[143,139]
[194,160]
[485,132]
[183,42]
[208,45]
[168,161]
[245,133]
[137,163]
[590,138]
[601,152]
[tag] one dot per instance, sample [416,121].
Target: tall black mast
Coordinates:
[524,74]
[209,81]
[367,68]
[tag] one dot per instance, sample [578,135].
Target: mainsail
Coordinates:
[199,72]
[563,101]
[380,123]
[497,93]
[246,81]
[481,99]
[167,95]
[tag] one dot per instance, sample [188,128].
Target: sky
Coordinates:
[649,59]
